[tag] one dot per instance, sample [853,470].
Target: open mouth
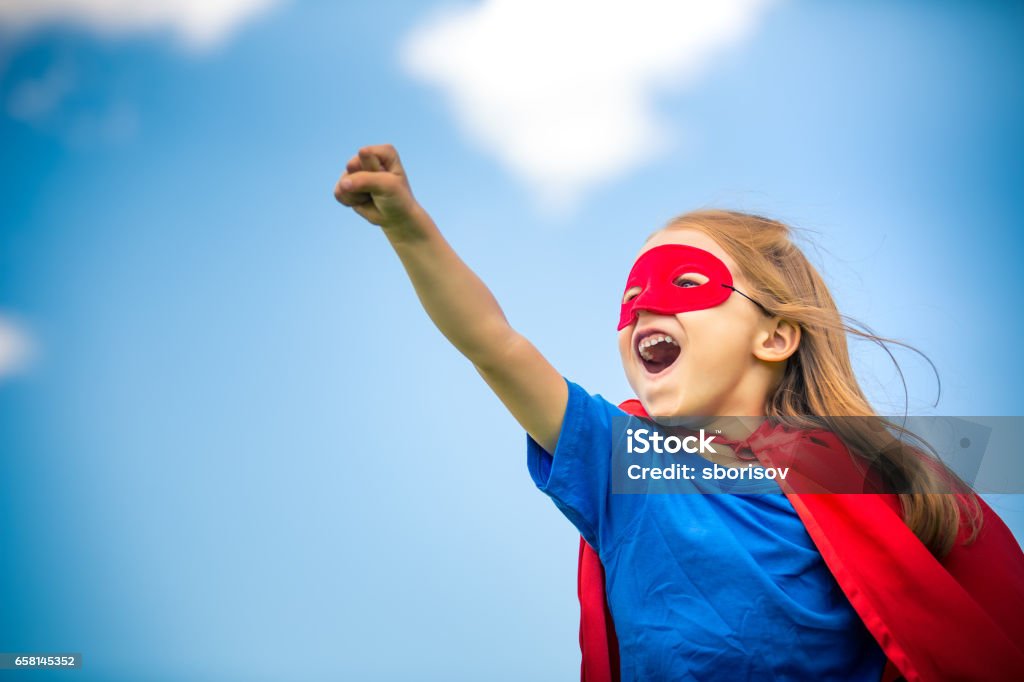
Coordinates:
[657,351]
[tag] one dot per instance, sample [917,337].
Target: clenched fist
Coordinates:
[375,186]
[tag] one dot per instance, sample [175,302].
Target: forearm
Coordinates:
[457,301]
[375,186]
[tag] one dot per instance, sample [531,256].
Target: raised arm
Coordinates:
[375,186]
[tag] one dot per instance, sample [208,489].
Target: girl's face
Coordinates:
[715,371]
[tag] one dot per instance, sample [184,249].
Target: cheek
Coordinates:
[716,343]
[625,341]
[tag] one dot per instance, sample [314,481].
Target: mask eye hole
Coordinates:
[630,294]
[688,280]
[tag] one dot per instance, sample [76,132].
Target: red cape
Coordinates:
[961,618]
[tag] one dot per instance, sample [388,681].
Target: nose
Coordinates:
[640,303]
[637,315]
[646,315]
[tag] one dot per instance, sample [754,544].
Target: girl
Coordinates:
[722,315]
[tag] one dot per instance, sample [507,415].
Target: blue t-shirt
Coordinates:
[702,586]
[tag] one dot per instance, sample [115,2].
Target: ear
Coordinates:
[777,340]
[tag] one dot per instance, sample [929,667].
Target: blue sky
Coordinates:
[232,444]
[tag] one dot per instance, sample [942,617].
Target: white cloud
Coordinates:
[561,91]
[199,23]
[16,348]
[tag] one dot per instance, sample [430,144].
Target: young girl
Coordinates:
[723,316]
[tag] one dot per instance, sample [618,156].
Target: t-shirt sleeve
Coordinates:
[578,477]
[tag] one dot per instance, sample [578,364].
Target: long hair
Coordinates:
[818,387]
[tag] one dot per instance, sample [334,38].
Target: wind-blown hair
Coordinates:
[818,388]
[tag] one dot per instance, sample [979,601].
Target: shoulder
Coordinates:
[596,400]
[590,407]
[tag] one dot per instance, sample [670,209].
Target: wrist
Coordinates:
[416,226]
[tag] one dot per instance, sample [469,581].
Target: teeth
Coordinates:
[646,343]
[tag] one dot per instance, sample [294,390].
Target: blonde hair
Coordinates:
[818,387]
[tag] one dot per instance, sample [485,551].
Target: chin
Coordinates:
[659,397]
[662,406]
[671,406]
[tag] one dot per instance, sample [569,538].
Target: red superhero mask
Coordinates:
[656,273]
